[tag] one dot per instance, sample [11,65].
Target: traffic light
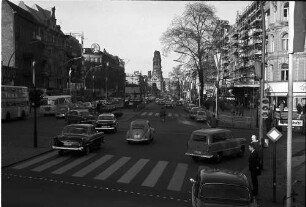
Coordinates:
[265,108]
[36,97]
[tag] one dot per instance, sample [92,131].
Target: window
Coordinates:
[271,44]
[285,42]
[284,71]
[286,11]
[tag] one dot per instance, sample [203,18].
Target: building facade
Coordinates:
[31,39]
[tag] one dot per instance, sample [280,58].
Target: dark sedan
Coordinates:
[216,187]
[80,116]
[106,122]
[78,137]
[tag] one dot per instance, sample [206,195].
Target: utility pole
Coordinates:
[35,106]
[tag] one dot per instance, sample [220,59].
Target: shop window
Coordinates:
[285,42]
[284,71]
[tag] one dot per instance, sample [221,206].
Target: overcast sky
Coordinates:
[129,29]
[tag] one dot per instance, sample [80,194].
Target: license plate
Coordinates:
[67,144]
[104,127]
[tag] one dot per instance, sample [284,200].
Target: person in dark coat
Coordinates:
[213,122]
[259,150]
[254,167]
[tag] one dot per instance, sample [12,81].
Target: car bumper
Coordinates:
[68,148]
[198,155]
[104,128]
[136,140]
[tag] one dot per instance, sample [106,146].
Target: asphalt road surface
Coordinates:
[155,174]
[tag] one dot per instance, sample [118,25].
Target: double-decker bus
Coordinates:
[51,104]
[14,102]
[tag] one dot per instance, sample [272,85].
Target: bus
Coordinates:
[14,102]
[50,104]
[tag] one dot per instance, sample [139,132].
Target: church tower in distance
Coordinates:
[157,74]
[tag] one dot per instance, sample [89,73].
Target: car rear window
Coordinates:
[224,192]
[199,138]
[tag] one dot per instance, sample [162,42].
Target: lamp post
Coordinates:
[217,58]
[70,81]
[93,84]
[35,113]
[106,79]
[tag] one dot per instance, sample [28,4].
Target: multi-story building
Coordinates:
[30,36]
[103,74]
[245,49]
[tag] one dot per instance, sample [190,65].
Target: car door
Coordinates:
[219,144]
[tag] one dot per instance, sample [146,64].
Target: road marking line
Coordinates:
[92,166]
[50,164]
[177,180]
[150,114]
[34,161]
[72,164]
[132,172]
[151,180]
[113,168]
[144,113]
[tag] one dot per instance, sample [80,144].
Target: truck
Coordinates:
[133,95]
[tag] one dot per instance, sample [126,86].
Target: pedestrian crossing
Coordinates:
[102,167]
[169,114]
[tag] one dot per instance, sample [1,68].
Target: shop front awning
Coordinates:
[281,89]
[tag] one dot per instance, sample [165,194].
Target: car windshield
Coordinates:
[106,118]
[138,126]
[199,138]
[224,192]
[75,130]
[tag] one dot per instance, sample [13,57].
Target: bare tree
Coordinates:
[192,36]
[177,73]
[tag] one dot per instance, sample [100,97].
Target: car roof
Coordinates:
[209,175]
[139,121]
[210,131]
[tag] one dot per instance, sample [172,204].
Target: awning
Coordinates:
[281,89]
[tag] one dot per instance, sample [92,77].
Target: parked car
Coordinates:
[76,116]
[78,137]
[201,115]
[216,187]
[214,143]
[140,131]
[106,122]
[189,106]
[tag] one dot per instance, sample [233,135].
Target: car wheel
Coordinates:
[86,150]
[129,142]
[195,158]
[218,157]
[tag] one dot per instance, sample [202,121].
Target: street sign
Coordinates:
[284,122]
[274,134]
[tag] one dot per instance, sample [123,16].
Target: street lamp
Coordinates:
[106,79]
[217,58]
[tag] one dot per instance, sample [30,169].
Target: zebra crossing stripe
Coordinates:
[156,114]
[170,114]
[144,113]
[92,166]
[153,177]
[72,164]
[113,168]
[34,161]
[150,114]
[178,177]
[50,164]
[133,171]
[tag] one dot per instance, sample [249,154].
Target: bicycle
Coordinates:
[292,196]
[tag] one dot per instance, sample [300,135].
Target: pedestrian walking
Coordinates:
[259,150]
[241,111]
[254,168]
[162,114]
[213,122]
